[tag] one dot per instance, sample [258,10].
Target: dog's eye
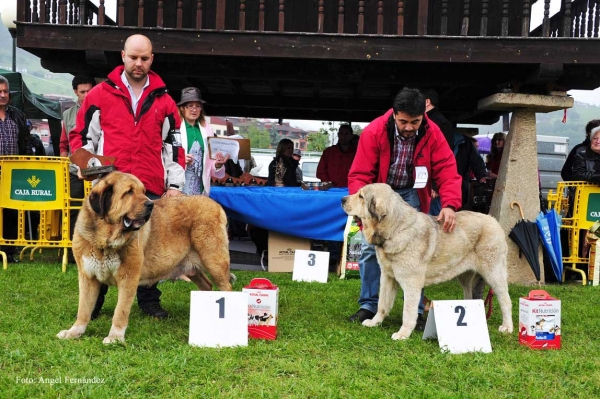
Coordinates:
[128,192]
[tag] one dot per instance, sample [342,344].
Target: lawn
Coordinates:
[318,354]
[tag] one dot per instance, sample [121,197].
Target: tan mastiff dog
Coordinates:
[117,242]
[413,251]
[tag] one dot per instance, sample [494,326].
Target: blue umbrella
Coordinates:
[549,228]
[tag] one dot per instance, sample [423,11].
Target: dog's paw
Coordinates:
[68,334]
[398,337]
[506,330]
[370,323]
[113,340]
[232,278]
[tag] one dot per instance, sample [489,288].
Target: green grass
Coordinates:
[317,354]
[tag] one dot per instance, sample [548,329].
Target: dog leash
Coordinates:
[488,302]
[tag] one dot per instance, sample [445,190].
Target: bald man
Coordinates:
[131,117]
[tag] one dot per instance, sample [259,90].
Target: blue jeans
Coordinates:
[370,272]
[435,207]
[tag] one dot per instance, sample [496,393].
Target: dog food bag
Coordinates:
[539,321]
[351,250]
[263,299]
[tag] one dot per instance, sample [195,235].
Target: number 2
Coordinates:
[221,303]
[311,259]
[462,311]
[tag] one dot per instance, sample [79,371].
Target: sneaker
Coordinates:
[362,315]
[421,321]
[154,310]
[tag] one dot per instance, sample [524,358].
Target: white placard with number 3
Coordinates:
[310,266]
[460,326]
[218,319]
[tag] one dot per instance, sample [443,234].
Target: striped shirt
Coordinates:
[9,135]
[401,165]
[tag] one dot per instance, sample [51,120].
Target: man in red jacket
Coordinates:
[404,149]
[131,116]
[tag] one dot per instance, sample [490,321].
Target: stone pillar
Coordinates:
[518,176]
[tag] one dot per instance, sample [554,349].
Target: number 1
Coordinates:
[221,303]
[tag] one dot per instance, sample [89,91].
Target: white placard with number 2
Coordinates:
[218,319]
[460,326]
[310,266]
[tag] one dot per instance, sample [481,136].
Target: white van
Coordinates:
[308,164]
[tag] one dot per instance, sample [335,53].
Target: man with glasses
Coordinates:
[131,117]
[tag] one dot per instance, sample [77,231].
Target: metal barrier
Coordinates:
[37,184]
[578,203]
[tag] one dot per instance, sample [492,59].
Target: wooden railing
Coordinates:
[507,18]
[577,18]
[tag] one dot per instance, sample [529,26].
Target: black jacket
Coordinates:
[567,170]
[467,159]
[289,179]
[586,165]
[444,124]
[24,140]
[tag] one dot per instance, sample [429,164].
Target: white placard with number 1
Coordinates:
[460,326]
[218,318]
[310,266]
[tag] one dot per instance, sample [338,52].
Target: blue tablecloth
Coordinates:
[288,210]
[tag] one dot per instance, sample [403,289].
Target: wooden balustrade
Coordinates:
[577,18]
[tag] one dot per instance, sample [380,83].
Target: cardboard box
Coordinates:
[539,321]
[282,249]
[263,298]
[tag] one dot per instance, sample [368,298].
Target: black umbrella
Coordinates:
[525,235]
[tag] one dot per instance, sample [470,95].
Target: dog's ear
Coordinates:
[376,208]
[101,199]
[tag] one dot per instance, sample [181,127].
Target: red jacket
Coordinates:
[372,161]
[142,144]
[335,165]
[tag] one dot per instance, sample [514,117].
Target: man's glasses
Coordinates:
[193,106]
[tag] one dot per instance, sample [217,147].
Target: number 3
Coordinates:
[311,259]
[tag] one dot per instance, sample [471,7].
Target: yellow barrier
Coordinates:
[584,198]
[38,184]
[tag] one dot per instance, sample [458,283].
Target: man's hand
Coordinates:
[171,193]
[220,160]
[448,216]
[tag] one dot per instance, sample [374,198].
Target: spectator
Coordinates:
[495,155]
[82,84]
[282,169]
[195,132]
[297,155]
[403,149]
[468,161]
[432,100]
[336,160]
[586,162]
[15,139]
[131,117]
[567,171]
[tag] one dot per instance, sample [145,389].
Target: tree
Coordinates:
[258,135]
[318,141]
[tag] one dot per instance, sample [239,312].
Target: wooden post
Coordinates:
[101,13]
[242,21]
[526,18]
[121,21]
[464,29]
[484,18]
[546,22]
[422,17]
[199,15]
[380,17]
[82,12]
[179,14]
[504,28]
[444,20]
[220,18]
[140,13]
[361,17]
[320,17]
[160,17]
[281,15]
[340,16]
[261,16]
